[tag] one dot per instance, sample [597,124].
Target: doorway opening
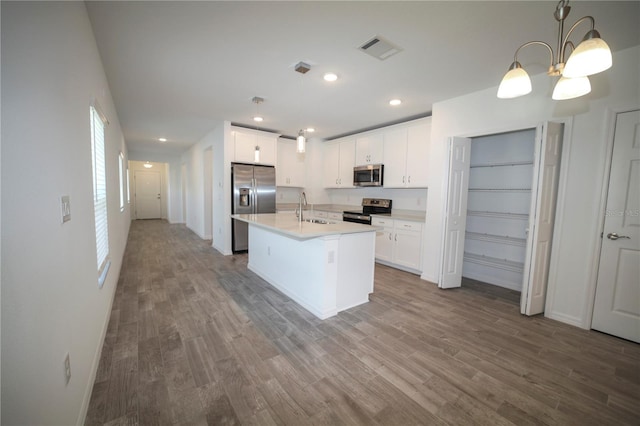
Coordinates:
[501,199]
[498,204]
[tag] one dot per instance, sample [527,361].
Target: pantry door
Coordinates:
[456,215]
[617,303]
[542,212]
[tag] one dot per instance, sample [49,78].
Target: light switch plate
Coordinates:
[65,205]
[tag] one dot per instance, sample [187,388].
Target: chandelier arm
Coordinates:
[529,43]
[565,42]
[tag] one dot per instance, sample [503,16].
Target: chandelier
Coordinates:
[590,57]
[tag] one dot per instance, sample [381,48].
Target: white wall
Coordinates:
[577,233]
[51,303]
[194,160]
[222,149]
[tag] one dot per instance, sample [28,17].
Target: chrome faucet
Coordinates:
[302,201]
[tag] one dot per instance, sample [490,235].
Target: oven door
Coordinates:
[356,218]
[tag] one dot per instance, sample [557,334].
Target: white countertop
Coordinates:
[287,224]
[410,215]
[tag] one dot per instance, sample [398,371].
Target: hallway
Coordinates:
[196,338]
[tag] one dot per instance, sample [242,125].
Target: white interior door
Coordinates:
[541,217]
[456,215]
[617,303]
[148,195]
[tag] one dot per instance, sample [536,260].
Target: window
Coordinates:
[128,188]
[121,177]
[100,192]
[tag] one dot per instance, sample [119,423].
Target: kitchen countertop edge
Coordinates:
[288,225]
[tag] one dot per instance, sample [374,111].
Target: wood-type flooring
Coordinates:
[195,338]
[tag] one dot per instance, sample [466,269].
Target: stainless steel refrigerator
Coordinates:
[254,191]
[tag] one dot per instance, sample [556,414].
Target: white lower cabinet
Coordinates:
[332,216]
[399,243]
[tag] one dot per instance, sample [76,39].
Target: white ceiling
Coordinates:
[177,69]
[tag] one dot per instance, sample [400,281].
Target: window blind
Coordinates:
[121,177]
[100,192]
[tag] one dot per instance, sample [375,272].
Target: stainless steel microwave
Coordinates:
[369,175]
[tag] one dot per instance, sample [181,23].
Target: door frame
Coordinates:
[611,114]
[567,122]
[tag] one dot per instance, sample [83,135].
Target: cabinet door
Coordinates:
[408,244]
[331,165]
[290,170]
[347,162]
[418,139]
[369,149]
[395,155]
[384,239]
[267,146]
[244,147]
[335,216]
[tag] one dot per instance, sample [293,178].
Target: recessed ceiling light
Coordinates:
[330,76]
[395,102]
[162,139]
[257,118]
[310,129]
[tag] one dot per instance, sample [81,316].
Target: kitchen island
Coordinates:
[324,267]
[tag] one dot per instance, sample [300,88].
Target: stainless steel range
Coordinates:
[369,206]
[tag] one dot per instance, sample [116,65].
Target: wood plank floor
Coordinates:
[195,338]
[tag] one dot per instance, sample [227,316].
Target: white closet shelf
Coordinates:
[502,239]
[499,189]
[507,164]
[501,215]
[507,265]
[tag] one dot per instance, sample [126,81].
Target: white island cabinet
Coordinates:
[326,268]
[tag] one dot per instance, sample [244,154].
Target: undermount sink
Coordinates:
[320,221]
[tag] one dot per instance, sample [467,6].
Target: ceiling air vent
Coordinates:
[380,48]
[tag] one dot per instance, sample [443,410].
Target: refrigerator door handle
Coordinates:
[254,182]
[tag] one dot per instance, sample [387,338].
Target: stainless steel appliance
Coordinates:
[254,191]
[369,175]
[369,206]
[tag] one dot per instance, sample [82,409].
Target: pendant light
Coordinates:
[258,119]
[301,140]
[590,57]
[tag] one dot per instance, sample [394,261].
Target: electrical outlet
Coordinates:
[67,369]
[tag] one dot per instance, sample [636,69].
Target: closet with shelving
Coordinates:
[498,206]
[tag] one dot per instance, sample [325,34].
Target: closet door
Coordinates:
[456,216]
[541,217]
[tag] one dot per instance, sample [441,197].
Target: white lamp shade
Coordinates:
[569,88]
[514,83]
[300,143]
[590,57]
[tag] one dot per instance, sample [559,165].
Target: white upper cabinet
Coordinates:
[339,160]
[245,143]
[290,170]
[395,158]
[369,149]
[418,141]
[405,155]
